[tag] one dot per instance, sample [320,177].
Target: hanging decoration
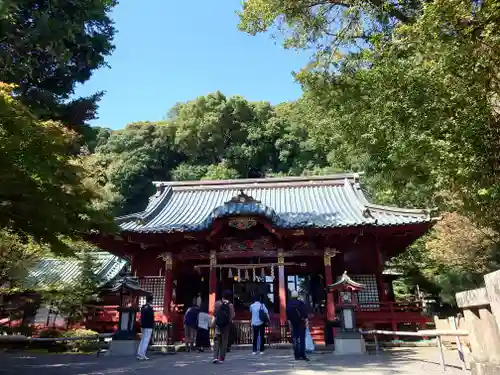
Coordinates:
[263,273]
[230,273]
[242,223]
[239,274]
[272,272]
[254,276]
[247,276]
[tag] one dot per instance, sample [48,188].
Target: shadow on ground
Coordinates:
[275,362]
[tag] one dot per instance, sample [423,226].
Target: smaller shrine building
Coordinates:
[268,237]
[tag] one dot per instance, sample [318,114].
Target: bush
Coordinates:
[52,346]
[50,333]
[84,345]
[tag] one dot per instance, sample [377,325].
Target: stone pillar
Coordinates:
[282,286]
[481,324]
[167,294]
[330,304]
[492,284]
[212,282]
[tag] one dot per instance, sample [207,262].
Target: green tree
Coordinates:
[330,29]
[71,301]
[220,172]
[131,159]
[188,172]
[48,47]
[16,257]
[42,193]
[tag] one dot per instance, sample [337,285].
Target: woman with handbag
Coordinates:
[260,319]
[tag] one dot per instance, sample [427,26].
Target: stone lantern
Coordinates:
[124,339]
[349,340]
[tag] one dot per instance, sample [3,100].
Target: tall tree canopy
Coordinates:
[43,193]
[47,47]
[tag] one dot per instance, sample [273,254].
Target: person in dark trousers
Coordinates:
[296,314]
[260,318]
[224,315]
[191,326]
[203,333]
[147,325]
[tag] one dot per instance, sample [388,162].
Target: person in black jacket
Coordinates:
[147,324]
[296,313]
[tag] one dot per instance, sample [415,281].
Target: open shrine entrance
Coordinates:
[247,262]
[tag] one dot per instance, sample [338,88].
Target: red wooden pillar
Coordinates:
[133,265]
[330,304]
[212,282]
[282,286]
[167,294]
[382,294]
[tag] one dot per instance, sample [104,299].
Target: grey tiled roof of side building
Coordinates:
[57,272]
[290,202]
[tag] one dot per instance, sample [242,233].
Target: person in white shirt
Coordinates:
[259,311]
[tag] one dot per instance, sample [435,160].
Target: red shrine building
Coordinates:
[268,237]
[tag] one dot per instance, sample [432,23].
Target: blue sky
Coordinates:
[173,51]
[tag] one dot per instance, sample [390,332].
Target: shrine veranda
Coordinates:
[268,237]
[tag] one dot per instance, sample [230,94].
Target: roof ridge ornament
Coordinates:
[345,283]
[242,198]
[367,213]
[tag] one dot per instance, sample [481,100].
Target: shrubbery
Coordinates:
[83,345]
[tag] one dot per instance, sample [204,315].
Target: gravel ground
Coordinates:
[414,361]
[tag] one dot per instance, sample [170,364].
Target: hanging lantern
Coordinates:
[247,275]
[230,273]
[254,275]
[263,274]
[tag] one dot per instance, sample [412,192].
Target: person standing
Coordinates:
[260,318]
[296,313]
[224,315]
[147,324]
[198,300]
[203,334]
[191,326]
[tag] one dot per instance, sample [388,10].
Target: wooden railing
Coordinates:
[163,334]
[241,333]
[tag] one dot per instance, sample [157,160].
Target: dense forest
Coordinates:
[406,91]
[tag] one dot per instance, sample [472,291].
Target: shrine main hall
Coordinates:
[269,236]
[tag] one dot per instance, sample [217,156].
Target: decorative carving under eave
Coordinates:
[242,222]
[298,232]
[264,243]
[167,258]
[243,198]
[213,258]
[329,254]
[192,249]
[281,257]
[303,245]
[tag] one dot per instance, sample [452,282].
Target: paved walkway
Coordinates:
[275,362]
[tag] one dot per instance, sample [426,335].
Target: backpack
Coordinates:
[262,315]
[222,315]
[191,318]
